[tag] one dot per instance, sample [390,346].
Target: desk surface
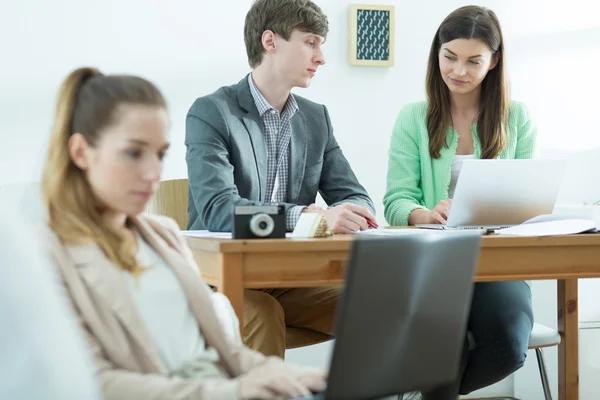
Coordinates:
[502,257]
[341,242]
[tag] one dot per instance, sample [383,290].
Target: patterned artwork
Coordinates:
[373,35]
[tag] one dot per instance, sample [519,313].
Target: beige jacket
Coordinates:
[128,364]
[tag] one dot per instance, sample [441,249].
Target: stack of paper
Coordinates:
[550,228]
[214,235]
[391,232]
[207,234]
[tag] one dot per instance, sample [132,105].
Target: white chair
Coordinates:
[543,336]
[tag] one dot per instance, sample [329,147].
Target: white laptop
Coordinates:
[494,194]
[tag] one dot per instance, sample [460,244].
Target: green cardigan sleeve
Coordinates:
[526,131]
[403,193]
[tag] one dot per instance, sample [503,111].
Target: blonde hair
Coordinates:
[87,103]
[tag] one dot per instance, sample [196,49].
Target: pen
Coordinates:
[372,223]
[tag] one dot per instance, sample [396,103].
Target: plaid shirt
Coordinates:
[278,132]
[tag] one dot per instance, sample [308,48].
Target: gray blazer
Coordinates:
[227,158]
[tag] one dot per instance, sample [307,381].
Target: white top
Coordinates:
[165,309]
[456,166]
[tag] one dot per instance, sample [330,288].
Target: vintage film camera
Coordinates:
[259,222]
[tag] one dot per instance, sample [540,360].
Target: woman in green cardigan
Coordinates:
[468,114]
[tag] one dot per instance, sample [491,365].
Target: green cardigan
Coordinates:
[415,180]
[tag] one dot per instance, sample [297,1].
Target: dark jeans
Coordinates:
[500,322]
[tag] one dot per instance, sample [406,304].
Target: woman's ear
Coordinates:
[79,150]
[495,59]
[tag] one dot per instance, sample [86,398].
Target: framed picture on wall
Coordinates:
[371,35]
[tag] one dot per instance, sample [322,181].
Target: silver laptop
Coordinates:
[402,318]
[494,194]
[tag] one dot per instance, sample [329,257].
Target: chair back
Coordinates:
[171,200]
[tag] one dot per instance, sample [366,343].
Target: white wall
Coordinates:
[191,47]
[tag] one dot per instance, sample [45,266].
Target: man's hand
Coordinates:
[314,208]
[347,218]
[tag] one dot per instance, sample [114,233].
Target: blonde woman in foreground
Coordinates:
[131,279]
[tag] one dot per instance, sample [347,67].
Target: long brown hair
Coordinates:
[470,22]
[87,103]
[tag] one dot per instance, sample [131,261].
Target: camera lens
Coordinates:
[262,225]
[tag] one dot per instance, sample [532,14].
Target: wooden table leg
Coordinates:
[231,282]
[568,350]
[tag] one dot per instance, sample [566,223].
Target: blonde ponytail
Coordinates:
[87,102]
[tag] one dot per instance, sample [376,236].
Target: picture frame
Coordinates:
[371,35]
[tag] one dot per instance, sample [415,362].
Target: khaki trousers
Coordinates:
[276,319]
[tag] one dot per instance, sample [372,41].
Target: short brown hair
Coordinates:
[281,17]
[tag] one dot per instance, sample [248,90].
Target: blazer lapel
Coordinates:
[298,144]
[254,125]
[195,289]
[109,284]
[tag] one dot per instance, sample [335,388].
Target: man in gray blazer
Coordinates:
[254,142]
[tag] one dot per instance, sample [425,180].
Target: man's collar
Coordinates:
[263,106]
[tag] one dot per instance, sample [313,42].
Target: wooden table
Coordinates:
[232,265]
